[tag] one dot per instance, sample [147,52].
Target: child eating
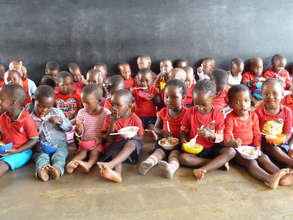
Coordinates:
[242,128]
[167,125]
[89,122]
[115,83]
[120,149]
[78,79]
[205,125]
[125,72]
[204,71]
[165,68]
[52,125]
[235,73]
[17,127]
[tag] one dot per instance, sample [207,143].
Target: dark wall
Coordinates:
[89,31]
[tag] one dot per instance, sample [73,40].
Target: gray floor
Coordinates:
[221,195]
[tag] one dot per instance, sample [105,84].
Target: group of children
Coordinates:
[220,110]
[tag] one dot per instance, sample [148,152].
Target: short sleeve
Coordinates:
[185,124]
[228,127]
[220,122]
[106,124]
[256,131]
[30,128]
[288,121]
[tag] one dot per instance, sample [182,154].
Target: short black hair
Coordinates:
[177,83]
[93,88]
[235,89]
[220,76]
[48,80]
[13,71]
[92,71]
[15,92]
[52,66]
[62,75]
[125,93]
[44,91]
[145,71]
[72,65]
[272,80]
[278,57]
[115,80]
[205,86]
[237,61]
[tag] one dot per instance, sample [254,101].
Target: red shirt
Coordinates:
[174,123]
[129,83]
[20,131]
[221,99]
[288,101]
[248,76]
[1,82]
[78,86]
[107,103]
[68,103]
[28,97]
[283,75]
[144,107]
[132,120]
[248,130]
[282,120]
[193,120]
[188,99]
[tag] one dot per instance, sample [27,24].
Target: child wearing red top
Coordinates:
[221,101]
[276,119]
[288,99]
[120,149]
[67,99]
[17,127]
[125,72]
[167,125]
[115,83]
[2,71]
[278,71]
[145,106]
[242,128]
[78,79]
[205,124]
[189,82]
[165,68]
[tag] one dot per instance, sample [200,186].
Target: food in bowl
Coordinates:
[192,147]
[248,152]
[169,143]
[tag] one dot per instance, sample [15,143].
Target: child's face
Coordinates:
[66,86]
[116,88]
[173,97]
[12,77]
[2,71]
[203,102]
[15,65]
[95,77]
[120,105]
[6,103]
[166,66]
[279,64]
[236,70]
[52,73]
[125,71]
[143,63]
[272,94]
[208,67]
[178,74]
[76,73]
[90,102]
[240,103]
[146,79]
[102,69]
[43,106]
[257,67]
[189,79]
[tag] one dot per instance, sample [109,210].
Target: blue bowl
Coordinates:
[48,148]
[5,147]
[258,85]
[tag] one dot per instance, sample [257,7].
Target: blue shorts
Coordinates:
[17,160]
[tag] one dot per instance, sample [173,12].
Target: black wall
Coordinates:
[89,31]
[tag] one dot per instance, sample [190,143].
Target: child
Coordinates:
[204,71]
[52,68]
[145,107]
[276,119]
[205,124]
[67,99]
[52,125]
[165,68]
[125,72]
[49,81]
[171,116]
[115,83]
[2,71]
[221,101]
[189,82]
[177,73]
[17,127]
[235,73]
[144,62]
[101,67]
[120,149]
[254,79]
[14,77]
[78,79]
[181,63]
[89,122]
[242,128]
[278,71]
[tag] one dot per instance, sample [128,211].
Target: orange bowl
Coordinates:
[276,139]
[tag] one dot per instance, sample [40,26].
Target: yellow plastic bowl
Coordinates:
[192,148]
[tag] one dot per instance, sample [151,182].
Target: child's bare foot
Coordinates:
[54,171]
[287,180]
[227,166]
[110,174]
[107,164]
[166,168]
[43,173]
[145,166]
[199,173]
[274,182]
[71,166]
[86,167]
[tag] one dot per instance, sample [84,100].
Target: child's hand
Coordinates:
[235,142]
[83,80]
[290,153]
[166,133]
[10,152]
[79,128]
[55,120]
[200,68]
[203,133]
[114,115]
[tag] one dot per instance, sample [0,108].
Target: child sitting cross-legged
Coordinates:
[168,125]
[52,125]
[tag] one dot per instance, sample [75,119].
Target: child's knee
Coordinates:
[130,145]
[229,151]
[184,159]
[263,158]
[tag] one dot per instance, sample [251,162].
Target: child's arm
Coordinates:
[159,129]
[26,146]
[229,140]
[183,136]
[113,118]
[66,124]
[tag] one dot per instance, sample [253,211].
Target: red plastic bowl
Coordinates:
[87,145]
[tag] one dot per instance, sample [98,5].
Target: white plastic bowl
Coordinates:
[128,132]
[245,152]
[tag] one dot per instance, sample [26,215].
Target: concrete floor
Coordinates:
[221,195]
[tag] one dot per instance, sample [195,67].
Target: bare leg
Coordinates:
[226,154]
[279,155]
[4,167]
[171,167]
[93,158]
[151,161]
[267,164]
[192,160]
[74,163]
